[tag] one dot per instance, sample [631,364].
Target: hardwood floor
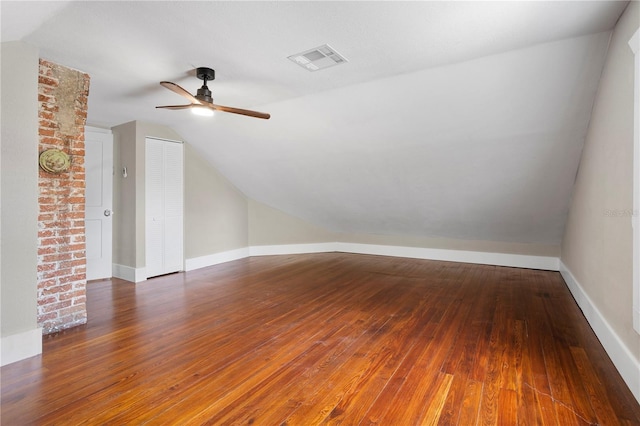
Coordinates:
[325,339]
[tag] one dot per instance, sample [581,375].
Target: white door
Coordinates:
[164,187]
[98,202]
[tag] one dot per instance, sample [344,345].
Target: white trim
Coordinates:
[634,44]
[89,128]
[478,257]
[215,259]
[499,259]
[128,273]
[623,359]
[164,139]
[20,346]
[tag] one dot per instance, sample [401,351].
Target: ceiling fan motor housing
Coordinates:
[205,74]
[204,94]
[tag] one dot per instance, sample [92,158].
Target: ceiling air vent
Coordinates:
[318,58]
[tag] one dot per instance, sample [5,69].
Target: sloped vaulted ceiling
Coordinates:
[452,119]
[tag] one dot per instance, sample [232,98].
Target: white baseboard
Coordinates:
[624,360]
[215,259]
[478,257]
[128,273]
[498,259]
[20,346]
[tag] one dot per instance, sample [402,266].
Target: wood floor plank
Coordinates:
[595,390]
[384,364]
[272,355]
[198,370]
[330,402]
[328,338]
[418,391]
[433,411]
[470,407]
[347,358]
[508,403]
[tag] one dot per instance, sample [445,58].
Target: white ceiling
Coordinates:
[451,119]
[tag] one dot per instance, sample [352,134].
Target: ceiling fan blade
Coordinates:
[176,106]
[241,111]
[180,91]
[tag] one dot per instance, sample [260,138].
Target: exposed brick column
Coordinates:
[62,97]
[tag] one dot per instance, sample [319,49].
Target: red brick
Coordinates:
[76,247]
[46,115]
[46,200]
[76,200]
[48,208]
[48,81]
[73,294]
[47,317]
[56,257]
[48,124]
[50,141]
[80,300]
[55,273]
[54,241]
[45,233]
[44,217]
[47,283]
[46,267]
[57,306]
[47,99]
[72,310]
[72,215]
[57,289]
[46,250]
[72,263]
[71,278]
[47,300]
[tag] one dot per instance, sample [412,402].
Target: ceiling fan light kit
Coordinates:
[202,102]
[202,111]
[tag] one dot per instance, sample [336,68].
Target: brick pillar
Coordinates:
[62,97]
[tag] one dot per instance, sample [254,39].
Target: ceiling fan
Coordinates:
[202,102]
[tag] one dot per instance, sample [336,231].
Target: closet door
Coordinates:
[164,187]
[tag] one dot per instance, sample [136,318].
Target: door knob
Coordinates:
[108,212]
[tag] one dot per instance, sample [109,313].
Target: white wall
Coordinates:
[215,211]
[21,336]
[269,226]
[597,253]
[124,190]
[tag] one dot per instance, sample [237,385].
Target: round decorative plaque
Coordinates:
[54,161]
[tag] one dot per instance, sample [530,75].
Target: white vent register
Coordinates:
[318,58]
